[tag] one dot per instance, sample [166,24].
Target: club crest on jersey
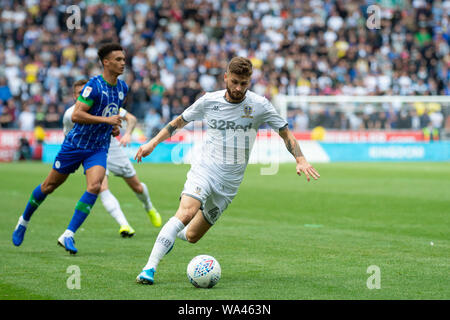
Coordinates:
[248,112]
[86,92]
[121,95]
[110,110]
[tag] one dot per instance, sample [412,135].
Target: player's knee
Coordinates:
[192,237]
[185,213]
[94,187]
[103,187]
[48,187]
[137,188]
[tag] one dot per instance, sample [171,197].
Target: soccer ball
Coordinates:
[204,271]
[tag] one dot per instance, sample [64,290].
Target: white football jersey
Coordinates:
[67,120]
[231,132]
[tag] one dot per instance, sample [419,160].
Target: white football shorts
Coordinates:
[214,196]
[118,162]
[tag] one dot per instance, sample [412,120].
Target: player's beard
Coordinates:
[236,98]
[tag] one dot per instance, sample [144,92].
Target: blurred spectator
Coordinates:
[8,115]
[415,120]
[165,110]
[5,92]
[157,91]
[152,123]
[26,118]
[177,108]
[52,117]
[437,119]
[40,115]
[301,121]
[404,120]
[424,119]
[24,150]
[138,99]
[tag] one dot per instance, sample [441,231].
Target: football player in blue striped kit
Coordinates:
[96,117]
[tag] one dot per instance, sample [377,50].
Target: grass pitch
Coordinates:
[281,238]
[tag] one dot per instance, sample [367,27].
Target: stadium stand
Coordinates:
[178,49]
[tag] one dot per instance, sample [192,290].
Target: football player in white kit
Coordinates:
[119,164]
[233,117]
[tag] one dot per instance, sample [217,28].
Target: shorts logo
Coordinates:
[86,92]
[213,213]
[247,112]
[198,190]
[57,164]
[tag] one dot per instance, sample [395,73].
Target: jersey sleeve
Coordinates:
[196,111]
[90,93]
[67,120]
[272,117]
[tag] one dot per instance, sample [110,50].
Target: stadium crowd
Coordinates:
[178,49]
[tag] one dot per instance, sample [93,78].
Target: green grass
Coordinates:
[281,238]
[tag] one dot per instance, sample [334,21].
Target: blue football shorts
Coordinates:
[69,159]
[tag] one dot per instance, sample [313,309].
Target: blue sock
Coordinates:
[36,198]
[82,210]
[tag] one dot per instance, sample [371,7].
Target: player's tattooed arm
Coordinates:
[162,135]
[171,129]
[291,143]
[294,148]
[175,124]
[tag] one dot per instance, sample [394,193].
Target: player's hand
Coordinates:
[304,167]
[144,150]
[114,120]
[125,140]
[115,131]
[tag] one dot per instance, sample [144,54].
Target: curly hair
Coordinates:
[240,66]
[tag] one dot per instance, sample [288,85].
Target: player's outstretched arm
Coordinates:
[162,135]
[131,124]
[81,115]
[294,148]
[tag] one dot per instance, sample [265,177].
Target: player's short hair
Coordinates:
[240,66]
[78,83]
[107,48]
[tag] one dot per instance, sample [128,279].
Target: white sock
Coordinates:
[22,222]
[112,205]
[68,233]
[182,234]
[144,197]
[164,242]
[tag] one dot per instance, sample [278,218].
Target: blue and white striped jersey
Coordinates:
[105,100]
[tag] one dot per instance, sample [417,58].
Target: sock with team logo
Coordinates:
[82,210]
[164,242]
[36,198]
